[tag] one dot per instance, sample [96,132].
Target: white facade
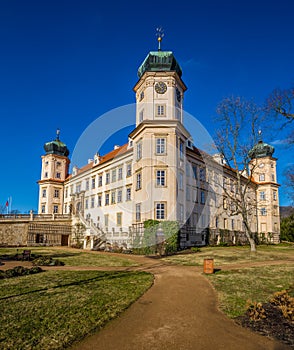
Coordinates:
[158,174]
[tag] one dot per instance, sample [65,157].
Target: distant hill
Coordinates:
[286,211]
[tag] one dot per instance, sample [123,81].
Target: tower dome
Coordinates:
[56,147]
[160,61]
[261,150]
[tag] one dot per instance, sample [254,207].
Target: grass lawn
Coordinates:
[235,287]
[53,309]
[232,255]
[75,257]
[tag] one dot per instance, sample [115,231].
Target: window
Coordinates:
[160,210]
[87,185]
[232,185]
[78,188]
[225,223]
[263,211]
[65,208]
[87,203]
[188,169]
[202,197]
[141,95]
[106,220]
[141,116]
[92,202]
[128,194]
[100,180]
[273,177]
[275,195]
[46,174]
[107,181]
[262,195]
[181,149]
[160,111]
[119,196]
[261,177]
[160,146]
[44,193]
[188,193]
[106,198]
[225,203]
[139,181]
[113,175]
[216,222]
[160,178]
[58,175]
[66,192]
[181,213]
[120,173]
[181,181]
[233,224]
[55,209]
[93,182]
[202,174]
[129,169]
[43,209]
[194,168]
[113,195]
[195,195]
[139,150]
[119,219]
[56,193]
[46,163]
[58,164]
[272,165]
[99,204]
[138,212]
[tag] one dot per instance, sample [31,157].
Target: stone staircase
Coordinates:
[94,234]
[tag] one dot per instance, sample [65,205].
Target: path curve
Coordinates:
[179,312]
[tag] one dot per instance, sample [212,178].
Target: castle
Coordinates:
[158,174]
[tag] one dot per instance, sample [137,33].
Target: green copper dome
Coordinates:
[261,150]
[160,61]
[56,147]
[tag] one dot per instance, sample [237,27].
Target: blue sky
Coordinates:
[64,63]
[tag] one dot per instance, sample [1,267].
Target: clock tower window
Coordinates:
[160,110]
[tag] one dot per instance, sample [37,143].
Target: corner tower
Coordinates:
[263,167]
[55,164]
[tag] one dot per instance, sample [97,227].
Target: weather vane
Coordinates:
[57,134]
[160,35]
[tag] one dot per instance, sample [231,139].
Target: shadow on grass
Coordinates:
[107,275]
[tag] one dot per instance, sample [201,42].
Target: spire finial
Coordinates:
[57,134]
[259,135]
[160,35]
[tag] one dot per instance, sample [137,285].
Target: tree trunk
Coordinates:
[249,237]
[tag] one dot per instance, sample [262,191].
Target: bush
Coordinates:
[287,228]
[285,303]
[19,271]
[255,311]
[47,261]
[195,250]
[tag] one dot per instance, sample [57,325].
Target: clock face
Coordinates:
[160,87]
[178,93]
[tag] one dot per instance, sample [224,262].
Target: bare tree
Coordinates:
[290,181]
[237,134]
[281,103]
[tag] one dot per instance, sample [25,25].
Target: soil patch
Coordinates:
[274,325]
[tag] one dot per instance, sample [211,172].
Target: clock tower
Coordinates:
[159,137]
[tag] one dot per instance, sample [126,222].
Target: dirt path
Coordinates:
[179,312]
